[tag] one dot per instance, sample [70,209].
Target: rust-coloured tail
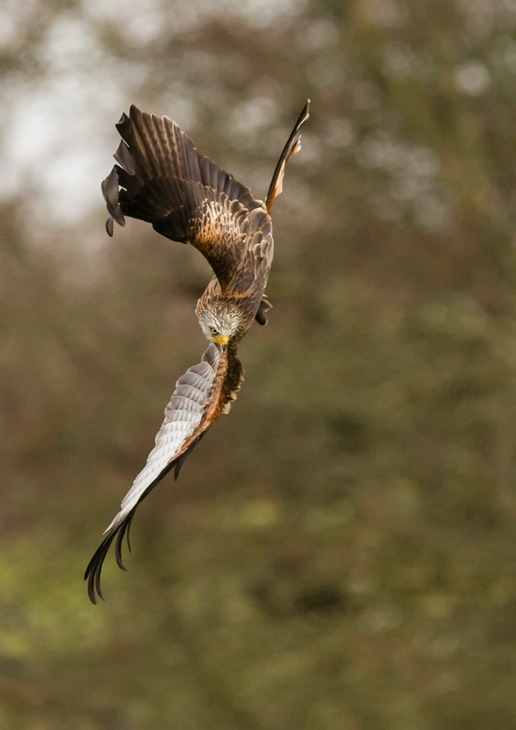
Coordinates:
[293,145]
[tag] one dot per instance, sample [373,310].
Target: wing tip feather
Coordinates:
[93,571]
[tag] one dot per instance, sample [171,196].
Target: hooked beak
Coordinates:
[221,340]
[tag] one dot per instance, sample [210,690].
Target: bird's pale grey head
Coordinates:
[220,320]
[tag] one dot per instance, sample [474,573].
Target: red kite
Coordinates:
[163,179]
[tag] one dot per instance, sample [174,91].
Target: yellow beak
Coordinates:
[221,340]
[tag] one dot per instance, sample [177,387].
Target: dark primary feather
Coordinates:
[94,569]
[200,396]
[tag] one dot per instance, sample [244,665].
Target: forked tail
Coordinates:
[293,145]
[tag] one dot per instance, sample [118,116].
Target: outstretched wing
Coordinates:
[200,396]
[293,145]
[162,178]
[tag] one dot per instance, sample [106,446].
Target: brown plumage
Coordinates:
[160,177]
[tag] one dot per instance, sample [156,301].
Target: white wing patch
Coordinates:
[218,220]
[183,416]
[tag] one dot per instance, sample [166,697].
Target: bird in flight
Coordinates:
[162,178]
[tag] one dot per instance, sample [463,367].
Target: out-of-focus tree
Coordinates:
[340,551]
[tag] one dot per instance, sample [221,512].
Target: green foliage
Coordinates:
[339,552]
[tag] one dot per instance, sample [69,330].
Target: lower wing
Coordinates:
[200,396]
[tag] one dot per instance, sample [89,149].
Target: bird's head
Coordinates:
[220,320]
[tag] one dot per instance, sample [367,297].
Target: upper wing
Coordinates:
[293,145]
[162,178]
[200,396]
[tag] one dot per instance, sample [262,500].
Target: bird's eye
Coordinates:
[214,331]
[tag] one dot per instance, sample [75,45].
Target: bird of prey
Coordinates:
[162,178]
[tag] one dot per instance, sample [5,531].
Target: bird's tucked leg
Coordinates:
[261,314]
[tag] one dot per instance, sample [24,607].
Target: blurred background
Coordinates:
[340,552]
